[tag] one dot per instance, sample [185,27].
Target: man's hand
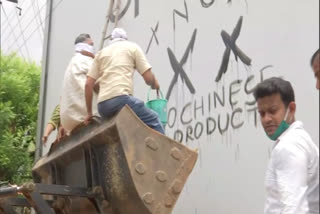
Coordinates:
[96,88]
[88,119]
[61,133]
[156,85]
[44,139]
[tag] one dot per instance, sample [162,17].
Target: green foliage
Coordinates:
[19,96]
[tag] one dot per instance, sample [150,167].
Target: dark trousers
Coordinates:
[110,107]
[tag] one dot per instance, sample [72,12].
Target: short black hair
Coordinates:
[314,57]
[275,85]
[81,38]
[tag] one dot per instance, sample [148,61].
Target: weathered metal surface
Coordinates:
[33,195]
[140,170]
[8,191]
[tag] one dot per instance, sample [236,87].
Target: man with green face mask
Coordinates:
[292,179]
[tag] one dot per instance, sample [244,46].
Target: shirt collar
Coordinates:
[295,125]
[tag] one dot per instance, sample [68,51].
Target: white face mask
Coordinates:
[84,47]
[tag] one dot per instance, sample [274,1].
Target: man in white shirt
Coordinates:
[73,106]
[292,178]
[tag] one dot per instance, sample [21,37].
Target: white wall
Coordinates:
[229,176]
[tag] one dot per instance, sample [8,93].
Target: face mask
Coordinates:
[84,47]
[282,128]
[92,49]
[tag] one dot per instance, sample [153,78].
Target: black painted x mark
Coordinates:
[230,42]
[154,35]
[178,67]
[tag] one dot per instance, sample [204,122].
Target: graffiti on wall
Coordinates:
[154,36]
[206,117]
[177,67]
[230,43]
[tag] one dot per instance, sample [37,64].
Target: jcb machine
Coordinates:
[117,166]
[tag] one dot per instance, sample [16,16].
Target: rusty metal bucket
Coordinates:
[139,170]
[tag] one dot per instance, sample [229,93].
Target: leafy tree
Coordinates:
[19,97]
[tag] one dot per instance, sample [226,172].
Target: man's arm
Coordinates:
[87,53]
[88,95]
[53,124]
[291,169]
[61,133]
[47,132]
[144,68]
[150,79]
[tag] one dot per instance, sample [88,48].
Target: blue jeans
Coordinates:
[110,107]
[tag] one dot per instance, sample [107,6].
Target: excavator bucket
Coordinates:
[139,170]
